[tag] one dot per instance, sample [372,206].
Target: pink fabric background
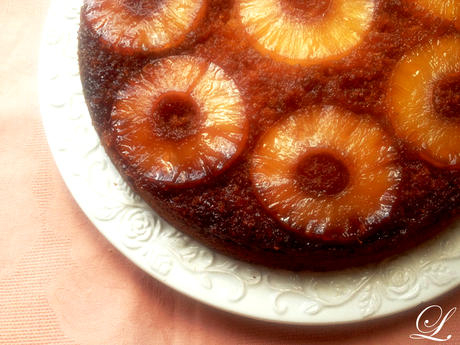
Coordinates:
[61,282]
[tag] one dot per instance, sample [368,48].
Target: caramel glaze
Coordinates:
[224,213]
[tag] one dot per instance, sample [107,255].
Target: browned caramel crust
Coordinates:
[225,214]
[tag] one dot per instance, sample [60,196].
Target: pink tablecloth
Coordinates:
[61,282]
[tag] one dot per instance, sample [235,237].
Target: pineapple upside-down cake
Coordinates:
[295,134]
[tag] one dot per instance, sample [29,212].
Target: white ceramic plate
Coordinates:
[178,261]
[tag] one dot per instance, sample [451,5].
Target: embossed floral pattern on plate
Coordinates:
[168,255]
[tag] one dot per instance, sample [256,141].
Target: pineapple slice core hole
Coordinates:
[446,98]
[175,116]
[322,173]
[306,9]
[141,8]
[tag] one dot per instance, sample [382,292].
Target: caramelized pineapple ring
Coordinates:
[286,36]
[447,9]
[414,116]
[320,144]
[180,121]
[142,26]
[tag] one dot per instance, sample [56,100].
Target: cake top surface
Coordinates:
[295,146]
